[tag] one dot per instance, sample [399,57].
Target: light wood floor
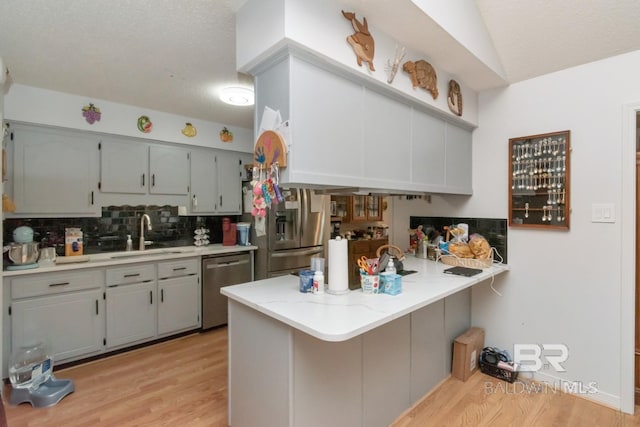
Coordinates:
[184,383]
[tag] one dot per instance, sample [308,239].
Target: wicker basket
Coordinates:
[467,262]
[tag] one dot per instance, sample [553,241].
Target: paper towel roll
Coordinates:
[338,266]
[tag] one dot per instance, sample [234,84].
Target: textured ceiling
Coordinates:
[172,55]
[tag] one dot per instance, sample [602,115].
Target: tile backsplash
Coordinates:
[109,232]
[494,230]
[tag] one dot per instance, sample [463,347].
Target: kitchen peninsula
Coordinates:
[343,360]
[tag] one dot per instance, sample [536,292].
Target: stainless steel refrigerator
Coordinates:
[296,229]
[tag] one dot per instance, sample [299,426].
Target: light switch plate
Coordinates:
[603,212]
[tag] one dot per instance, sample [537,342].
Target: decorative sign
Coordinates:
[226,135]
[144,124]
[361,41]
[454,98]
[269,150]
[189,131]
[91,113]
[422,75]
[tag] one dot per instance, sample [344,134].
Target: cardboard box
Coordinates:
[72,242]
[466,353]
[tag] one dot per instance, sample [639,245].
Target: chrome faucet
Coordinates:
[142,218]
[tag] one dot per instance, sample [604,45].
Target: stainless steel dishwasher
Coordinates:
[219,271]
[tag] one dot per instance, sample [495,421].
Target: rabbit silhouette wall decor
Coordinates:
[422,75]
[361,41]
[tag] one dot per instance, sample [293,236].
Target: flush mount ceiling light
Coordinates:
[237,95]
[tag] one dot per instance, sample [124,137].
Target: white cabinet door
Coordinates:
[326,111]
[386,363]
[131,313]
[203,181]
[229,200]
[179,304]
[169,169]
[123,167]
[71,324]
[428,349]
[387,133]
[427,150]
[458,160]
[55,172]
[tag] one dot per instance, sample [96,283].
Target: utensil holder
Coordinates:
[370,283]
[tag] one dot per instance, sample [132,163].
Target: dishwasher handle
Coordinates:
[212,265]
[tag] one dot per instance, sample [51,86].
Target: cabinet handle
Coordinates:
[153,180]
[132,275]
[220,201]
[58,284]
[161,295]
[179,268]
[92,198]
[143,180]
[151,297]
[97,307]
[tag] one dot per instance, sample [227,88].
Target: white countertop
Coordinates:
[121,258]
[341,317]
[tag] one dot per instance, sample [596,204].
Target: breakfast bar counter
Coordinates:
[343,360]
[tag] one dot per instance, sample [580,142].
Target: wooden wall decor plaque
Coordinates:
[270,149]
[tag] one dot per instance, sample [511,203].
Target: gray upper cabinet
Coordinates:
[326,126]
[54,171]
[123,167]
[203,179]
[387,134]
[346,130]
[136,167]
[169,169]
[427,150]
[216,182]
[229,182]
[458,177]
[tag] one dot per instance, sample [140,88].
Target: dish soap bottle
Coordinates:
[129,243]
[391,267]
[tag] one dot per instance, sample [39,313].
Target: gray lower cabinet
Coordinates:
[178,296]
[65,311]
[368,380]
[131,304]
[86,312]
[131,314]
[428,349]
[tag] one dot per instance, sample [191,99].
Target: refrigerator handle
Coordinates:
[302,209]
